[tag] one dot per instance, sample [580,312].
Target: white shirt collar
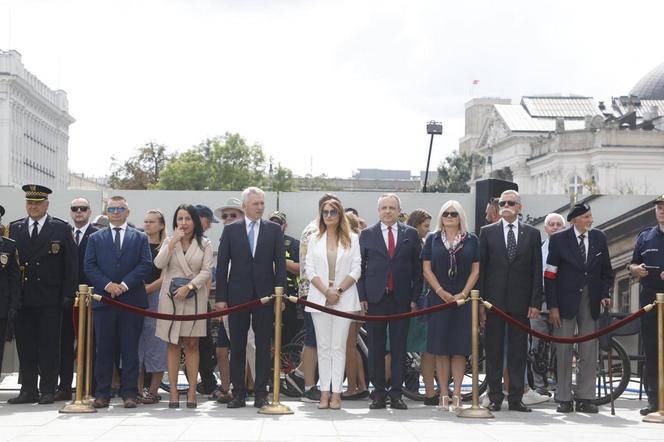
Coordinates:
[506,224]
[82,229]
[577,233]
[122,227]
[384,226]
[249,221]
[40,222]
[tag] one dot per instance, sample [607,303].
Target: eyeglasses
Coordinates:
[507,203]
[329,213]
[450,214]
[228,215]
[116,209]
[79,208]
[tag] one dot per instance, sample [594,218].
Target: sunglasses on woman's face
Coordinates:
[329,213]
[507,203]
[450,214]
[228,215]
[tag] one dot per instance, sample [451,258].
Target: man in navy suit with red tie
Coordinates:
[578,278]
[390,283]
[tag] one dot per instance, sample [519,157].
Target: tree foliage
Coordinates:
[282,179]
[142,170]
[455,172]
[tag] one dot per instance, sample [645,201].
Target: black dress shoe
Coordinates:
[62,395]
[494,406]
[237,402]
[584,406]
[432,401]
[651,408]
[519,406]
[565,407]
[261,401]
[46,398]
[377,404]
[398,404]
[24,398]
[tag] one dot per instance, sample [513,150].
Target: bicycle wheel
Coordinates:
[413,387]
[621,373]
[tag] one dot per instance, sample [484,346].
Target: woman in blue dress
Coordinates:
[451,267]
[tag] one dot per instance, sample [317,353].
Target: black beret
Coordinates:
[578,210]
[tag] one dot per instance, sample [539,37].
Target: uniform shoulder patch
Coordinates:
[55,218]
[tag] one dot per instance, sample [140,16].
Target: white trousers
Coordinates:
[331,335]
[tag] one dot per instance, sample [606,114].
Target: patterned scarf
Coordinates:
[453,249]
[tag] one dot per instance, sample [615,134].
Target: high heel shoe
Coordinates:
[444,404]
[324,400]
[174,404]
[456,404]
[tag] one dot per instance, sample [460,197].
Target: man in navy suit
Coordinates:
[80,214]
[390,283]
[578,278]
[510,279]
[117,259]
[251,262]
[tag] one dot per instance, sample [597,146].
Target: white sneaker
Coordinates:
[484,400]
[531,397]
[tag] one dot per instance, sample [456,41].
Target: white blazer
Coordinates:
[349,263]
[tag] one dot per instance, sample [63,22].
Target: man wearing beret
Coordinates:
[648,265]
[578,278]
[49,267]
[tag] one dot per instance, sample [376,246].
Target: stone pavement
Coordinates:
[354,423]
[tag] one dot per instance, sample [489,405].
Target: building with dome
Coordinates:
[572,145]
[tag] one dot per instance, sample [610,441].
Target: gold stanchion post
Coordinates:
[88,348]
[78,405]
[276,407]
[475,411]
[658,416]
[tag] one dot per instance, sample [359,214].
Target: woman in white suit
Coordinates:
[333,266]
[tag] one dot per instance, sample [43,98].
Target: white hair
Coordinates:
[553,215]
[390,195]
[456,205]
[249,191]
[511,192]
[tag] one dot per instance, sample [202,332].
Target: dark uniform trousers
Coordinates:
[3,328]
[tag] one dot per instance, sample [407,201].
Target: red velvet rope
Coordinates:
[424,311]
[573,339]
[169,317]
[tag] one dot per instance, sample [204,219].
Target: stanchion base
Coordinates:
[78,407]
[477,413]
[656,418]
[275,408]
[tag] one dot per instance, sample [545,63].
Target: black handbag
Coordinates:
[176,283]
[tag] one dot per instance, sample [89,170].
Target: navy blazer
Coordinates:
[103,264]
[250,277]
[405,265]
[566,274]
[82,245]
[512,286]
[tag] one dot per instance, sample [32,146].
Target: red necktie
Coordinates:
[390,250]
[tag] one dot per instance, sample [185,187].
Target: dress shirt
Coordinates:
[395,232]
[82,229]
[40,223]
[123,229]
[585,240]
[257,227]
[506,229]
[545,253]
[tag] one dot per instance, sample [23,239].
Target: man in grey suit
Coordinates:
[511,279]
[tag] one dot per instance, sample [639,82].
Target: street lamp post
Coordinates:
[433,128]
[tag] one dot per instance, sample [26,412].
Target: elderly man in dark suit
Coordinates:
[390,283]
[82,229]
[117,260]
[511,279]
[251,261]
[578,278]
[48,259]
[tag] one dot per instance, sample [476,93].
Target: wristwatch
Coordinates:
[340,290]
[190,286]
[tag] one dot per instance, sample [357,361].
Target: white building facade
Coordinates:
[34,128]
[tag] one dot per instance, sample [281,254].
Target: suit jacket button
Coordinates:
[37,263]
[25,279]
[38,279]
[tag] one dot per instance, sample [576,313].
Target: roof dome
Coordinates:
[651,86]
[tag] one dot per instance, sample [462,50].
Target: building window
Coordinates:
[575,186]
[623,301]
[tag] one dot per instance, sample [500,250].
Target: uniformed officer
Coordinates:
[648,265]
[48,262]
[9,287]
[293,315]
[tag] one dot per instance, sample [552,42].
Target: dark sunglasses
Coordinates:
[329,213]
[228,215]
[79,208]
[507,203]
[116,209]
[450,214]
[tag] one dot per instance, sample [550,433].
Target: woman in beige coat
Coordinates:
[185,258]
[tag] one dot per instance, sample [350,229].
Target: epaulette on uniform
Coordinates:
[20,220]
[6,238]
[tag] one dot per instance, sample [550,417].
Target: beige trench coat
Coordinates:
[195,265]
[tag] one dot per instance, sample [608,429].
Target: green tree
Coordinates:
[142,170]
[455,172]
[282,179]
[188,172]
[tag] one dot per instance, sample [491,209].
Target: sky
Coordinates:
[323,86]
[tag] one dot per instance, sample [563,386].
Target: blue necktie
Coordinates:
[250,235]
